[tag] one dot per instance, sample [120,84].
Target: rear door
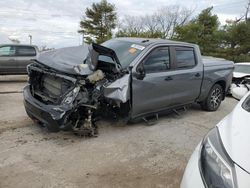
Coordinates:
[7,59]
[187,75]
[24,56]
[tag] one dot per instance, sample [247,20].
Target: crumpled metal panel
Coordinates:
[69,60]
[81,60]
[119,89]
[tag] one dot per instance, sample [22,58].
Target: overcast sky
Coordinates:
[54,23]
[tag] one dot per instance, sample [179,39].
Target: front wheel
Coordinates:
[214,98]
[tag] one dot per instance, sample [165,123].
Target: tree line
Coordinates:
[230,41]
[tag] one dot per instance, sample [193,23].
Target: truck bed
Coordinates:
[214,70]
[209,61]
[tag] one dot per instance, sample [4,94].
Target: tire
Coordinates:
[214,98]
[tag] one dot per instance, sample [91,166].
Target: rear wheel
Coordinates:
[214,98]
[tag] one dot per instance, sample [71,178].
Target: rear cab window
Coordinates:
[185,57]
[25,51]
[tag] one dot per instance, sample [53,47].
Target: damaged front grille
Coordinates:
[52,85]
[49,88]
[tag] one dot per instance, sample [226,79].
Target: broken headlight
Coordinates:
[71,96]
[217,168]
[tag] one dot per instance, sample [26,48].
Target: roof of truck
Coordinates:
[148,41]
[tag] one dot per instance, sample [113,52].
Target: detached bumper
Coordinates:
[192,176]
[51,116]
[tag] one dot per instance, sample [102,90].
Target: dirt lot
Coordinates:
[121,156]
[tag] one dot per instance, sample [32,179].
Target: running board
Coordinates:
[151,121]
[178,113]
[154,118]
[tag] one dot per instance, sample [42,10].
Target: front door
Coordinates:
[153,91]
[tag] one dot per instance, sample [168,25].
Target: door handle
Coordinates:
[168,78]
[197,75]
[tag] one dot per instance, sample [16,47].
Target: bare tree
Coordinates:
[150,24]
[245,15]
[169,17]
[159,24]
[131,25]
[247,10]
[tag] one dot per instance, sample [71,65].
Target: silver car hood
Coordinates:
[235,135]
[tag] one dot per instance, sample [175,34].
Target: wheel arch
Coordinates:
[222,83]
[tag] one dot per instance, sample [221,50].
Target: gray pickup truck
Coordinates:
[14,58]
[71,88]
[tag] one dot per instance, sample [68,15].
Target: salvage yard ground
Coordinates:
[121,156]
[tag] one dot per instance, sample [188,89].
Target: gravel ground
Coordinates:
[121,156]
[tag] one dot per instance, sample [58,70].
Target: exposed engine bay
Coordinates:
[78,100]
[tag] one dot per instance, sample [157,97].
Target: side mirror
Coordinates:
[239,92]
[140,72]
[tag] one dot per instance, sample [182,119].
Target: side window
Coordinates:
[157,61]
[25,51]
[7,51]
[185,57]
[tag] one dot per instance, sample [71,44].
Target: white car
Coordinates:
[222,158]
[240,76]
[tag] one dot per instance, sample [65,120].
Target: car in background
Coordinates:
[241,70]
[240,75]
[238,91]
[14,58]
[221,159]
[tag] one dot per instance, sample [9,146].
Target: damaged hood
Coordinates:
[66,59]
[78,60]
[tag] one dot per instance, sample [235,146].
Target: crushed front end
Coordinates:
[61,101]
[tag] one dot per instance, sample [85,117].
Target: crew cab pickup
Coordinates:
[70,88]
